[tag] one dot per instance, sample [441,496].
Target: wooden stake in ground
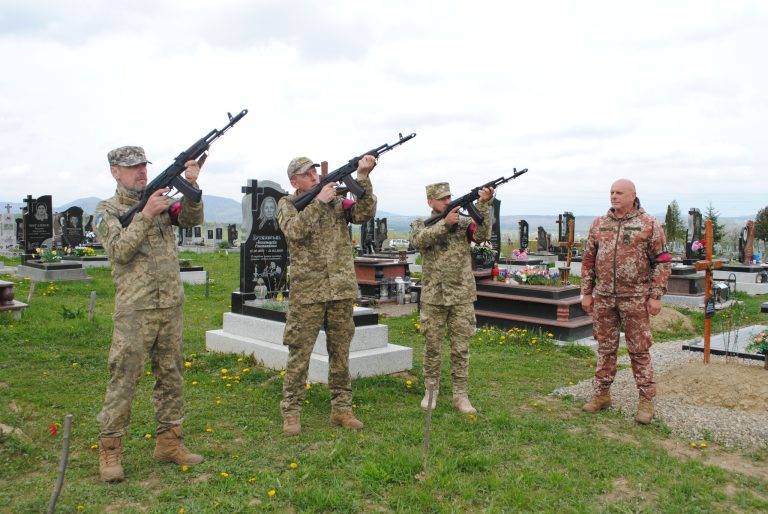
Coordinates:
[91,305]
[427,432]
[708,266]
[62,465]
[568,243]
[31,291]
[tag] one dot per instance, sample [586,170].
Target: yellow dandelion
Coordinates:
[307,386]
[229,385]
[147,436]
[293,465]
[271,493]
[218,402]
[240,359]
[282,373]
[208,429]
[148,373]
[550,334]
[252,480]
[224,474]
[703,444]
[194,382]
[246,370]
[182,510]
[187,364]
[472,417]
[693,444]
[81,508]
[408,383]
[94,446]
[184,468]
[224,371]
[306,402]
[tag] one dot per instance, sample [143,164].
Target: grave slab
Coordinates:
[370,352]
[52,272]
[734,343]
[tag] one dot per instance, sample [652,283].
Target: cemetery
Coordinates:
[532,367]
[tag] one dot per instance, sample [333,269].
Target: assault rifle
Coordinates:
[468,200]
[344,173]
[171,177]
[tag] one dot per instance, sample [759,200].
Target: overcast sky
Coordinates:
[673,95]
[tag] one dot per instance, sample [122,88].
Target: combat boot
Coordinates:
[110,459]
[170,448]
[346,419]
[291,425]
[597,403]
[644,411]
[425,400]
[461,404]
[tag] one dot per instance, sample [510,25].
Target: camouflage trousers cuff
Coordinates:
[164,427]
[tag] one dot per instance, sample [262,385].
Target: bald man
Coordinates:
[624,274]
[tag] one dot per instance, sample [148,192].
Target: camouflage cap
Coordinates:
[127,156]
[438,191]
[300,165]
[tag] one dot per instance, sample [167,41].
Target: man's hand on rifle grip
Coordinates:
[157,204]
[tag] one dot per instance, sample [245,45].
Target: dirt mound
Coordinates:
[732,385]
[669,320]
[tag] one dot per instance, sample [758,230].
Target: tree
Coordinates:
[761,225]
[718,229]
[673,222]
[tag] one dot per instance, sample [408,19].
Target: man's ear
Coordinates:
[293,182]
[113,169]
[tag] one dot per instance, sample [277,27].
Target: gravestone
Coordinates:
[38,222]
[367,239]
[381,233]
[264,254]
[693,233]
[231,234]
[523,231]
[543,240]
[562,233]
[71,222]
[7,230]
[20,232]
[747,243]
[495,221]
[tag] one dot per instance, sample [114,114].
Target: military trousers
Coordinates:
[303,324]
[458,321]
[137,334]
[610,313]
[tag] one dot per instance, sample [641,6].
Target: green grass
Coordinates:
[524,452]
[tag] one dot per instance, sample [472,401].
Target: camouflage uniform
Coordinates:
[448,288]
[322,291]
[148,305]
[621,267]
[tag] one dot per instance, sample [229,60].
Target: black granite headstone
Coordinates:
[523,234]
[219,233]
[232,234]
[495,221]
[367,237]
[38,222]
[20,231]
[264,254]
[71,222]
[381,233]
[543,241]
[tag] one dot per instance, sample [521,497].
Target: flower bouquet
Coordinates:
[760,343]
[537,276]
[520,255]
[483,254]
[48,255]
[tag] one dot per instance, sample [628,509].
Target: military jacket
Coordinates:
[322,265]
[620,257]
[447,277]
[144,257]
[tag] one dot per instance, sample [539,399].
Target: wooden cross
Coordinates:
[708,266]
[568,243]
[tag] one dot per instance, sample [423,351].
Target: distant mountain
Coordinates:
[217,209]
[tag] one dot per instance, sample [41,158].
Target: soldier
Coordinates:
[323,287]
[148,309]
[625,267]
[448,290]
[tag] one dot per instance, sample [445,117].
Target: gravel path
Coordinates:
[728,427]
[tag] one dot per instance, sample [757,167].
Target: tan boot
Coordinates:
[346,419]
[291,425]
[425,401]
[110,459]
[644,411]
[461,403]
[170,448]
[597,403]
